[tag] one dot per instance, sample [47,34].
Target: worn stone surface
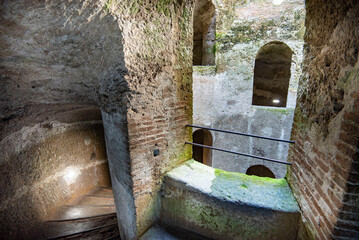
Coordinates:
[204,33]
[324,174]
[130,58]
[223,93]
[66,161]
[52,59]
[164,232]
[220,204]
[157,54]
[62,60]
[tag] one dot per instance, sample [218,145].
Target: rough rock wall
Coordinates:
[204,29]
[52,58]
[324,175]
[223,94]
[47,165]
[53,52]
[131,58]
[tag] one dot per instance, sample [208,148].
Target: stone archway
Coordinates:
[272,74]
[260,171]
[200,154]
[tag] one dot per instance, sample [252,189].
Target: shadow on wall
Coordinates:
[272,75]
[204,33]
[52,139]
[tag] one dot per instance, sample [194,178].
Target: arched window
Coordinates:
[204,33]
[271,75]
[200,154]
[260,170]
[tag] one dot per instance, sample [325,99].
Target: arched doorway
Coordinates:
[204,33]
[260,171]
[272,74]
[200,154]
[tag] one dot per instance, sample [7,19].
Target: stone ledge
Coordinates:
[225,205]
[204,70]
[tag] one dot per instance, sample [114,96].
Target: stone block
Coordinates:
[224,205]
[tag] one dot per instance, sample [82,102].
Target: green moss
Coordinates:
[135,7]
[219,35]
[245,32]
[301,31]
[204,70]
[225,187]
[301,122]
[211,217]
[250,178]
[350,79]
[203,214]
[163,7]
[284,111]
[110,5]
[212,203]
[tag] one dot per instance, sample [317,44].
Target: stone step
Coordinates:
[96,200]
[91,217]
[83,211]
[102,192]
[164,232]
[55,228]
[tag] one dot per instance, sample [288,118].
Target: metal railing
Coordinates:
[239,153]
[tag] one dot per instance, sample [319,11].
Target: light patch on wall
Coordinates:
[276,101]
[71,174]
[87,141]
[277,2]
[74,213]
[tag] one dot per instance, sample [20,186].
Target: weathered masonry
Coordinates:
[252,86]
[98,93]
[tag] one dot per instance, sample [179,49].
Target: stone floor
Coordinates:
[164,232]
[91,216]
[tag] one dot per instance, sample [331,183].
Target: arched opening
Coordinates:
[204,33]
[200,154]
[260,171]
[271,75]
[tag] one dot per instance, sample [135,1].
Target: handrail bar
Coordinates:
[238,153]
[243,134]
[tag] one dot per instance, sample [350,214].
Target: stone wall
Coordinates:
[324,174]
[131,58]
[226,205]
[47,165]
[223,93]
[158,75]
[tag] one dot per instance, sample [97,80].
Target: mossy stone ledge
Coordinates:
[225,205]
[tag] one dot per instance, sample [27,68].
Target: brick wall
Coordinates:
[324,174]
[347,165]
[156,106]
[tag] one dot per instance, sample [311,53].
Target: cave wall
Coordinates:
[223,93]
[51,63]
[130,58]
[324,174]
[48,164]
